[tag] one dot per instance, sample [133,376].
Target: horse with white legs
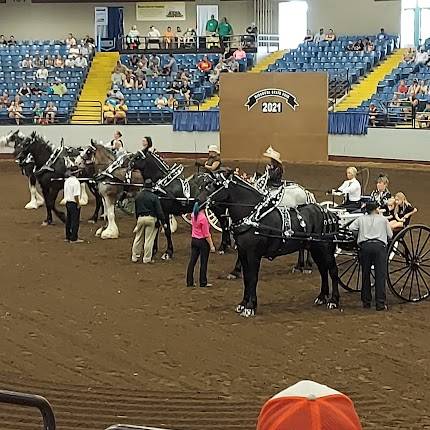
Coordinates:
[263,228]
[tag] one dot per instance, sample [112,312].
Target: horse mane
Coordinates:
[107,150]
[159,160]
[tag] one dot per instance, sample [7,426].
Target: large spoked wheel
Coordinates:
[350,273]
[408,264]
[213,220]
[187,218]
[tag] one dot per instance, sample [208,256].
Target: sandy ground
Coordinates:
[109,341]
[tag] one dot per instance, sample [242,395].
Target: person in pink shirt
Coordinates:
[239,54]
[201,245]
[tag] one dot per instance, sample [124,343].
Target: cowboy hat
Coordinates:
[213,148]
[274,155]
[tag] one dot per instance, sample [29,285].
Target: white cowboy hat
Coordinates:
[274,155]
[213,148]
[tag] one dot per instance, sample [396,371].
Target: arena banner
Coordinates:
[160,11]
[285,110]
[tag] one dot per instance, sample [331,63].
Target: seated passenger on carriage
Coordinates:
[147,145]
[213,163]
[274,169]
[116,145]
[391,206]
[382,194]
[402,212]
[351,190]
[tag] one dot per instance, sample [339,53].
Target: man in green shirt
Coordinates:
[225,30]
[211,26]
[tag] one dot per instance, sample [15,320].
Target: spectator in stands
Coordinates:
[225,30]
[232,64]
[86,49]
[251,35]
[319,37]
[356,46]
[409,56]
[38,114]
[154,64]
[128,81]
[160,102]
[169,38]
[140,82]
[172,103]
[421,56]
[59,62]
[190,38]
[153,37]
[3,41]
[423,118]
[109,111]
[121,112]
[115,95]
[81,62]
[134,60]
[211,26]
[49,62]
[59,88]
[171,67]
[50,112]
[186,92]
[184,76]
[143,62]
[373,114]
[88,41]
[74,50]
[36,89]
[423,87]
[174,87]
[309,36]
[11,41]
[414,89]
[239,54]
[24,91]
[179,37]
[37,62]
[70,61]
[26,63]
[382,36]
[330,36]
[70,40]
[132,39]
[205,66]
[4,100]
[42,74]
[402,212]
[15,112]
[117,77]
[121,67]
[369,46]
[402,88]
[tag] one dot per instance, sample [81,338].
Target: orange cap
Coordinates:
[308,405]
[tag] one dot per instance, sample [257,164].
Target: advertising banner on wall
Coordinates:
[160,11]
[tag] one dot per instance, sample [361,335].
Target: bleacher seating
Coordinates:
[12,76]
[141,108]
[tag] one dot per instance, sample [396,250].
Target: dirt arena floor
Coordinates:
[109,341]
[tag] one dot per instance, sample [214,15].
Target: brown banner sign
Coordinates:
[285,110]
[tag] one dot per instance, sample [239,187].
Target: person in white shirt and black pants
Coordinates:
[374,232]
[351,190]
[72,192]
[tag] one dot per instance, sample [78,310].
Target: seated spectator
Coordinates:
[4,100]
[330,36]
[174,87]
[36,89]
[117,77]
[70,61]
[369,46]
[309,36]
[319,37]
[179,36]
[190,37]
[373,114]
[121,112]
[88,41]
[232,64]
[74,51]
[42,74]
[109,111]
[356,46]
[81,62]
[423,117]
[421,56]
[153,37]
[414,89]
[409,56]
[171,67]
[115,95]
[172,103]
[37,114]
[204,65]
[122,67]
[58,88]
[251,35]
[154,64]
[27,63]
[140,82]
[3,41]
[402,212]
[134,60]
[132,39]
[128,81]
[423,88]
[70,40]
[50,112]
[49,62]
[11,41]
[239,54]
[86,49]
[160,102]
[184,76]
[382,36]
[185,91]
[169,37]
[15,112]
[402,88]
[37,62]
[24,91]
[143,62]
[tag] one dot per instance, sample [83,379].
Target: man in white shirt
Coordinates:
[351,190]
[153,37]
[81,62]
[42,73]
[421,57]
[319,37]
[72,192]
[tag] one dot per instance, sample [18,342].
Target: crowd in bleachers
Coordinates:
[40,80]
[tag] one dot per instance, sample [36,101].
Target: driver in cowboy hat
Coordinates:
[213,163]
[274,168]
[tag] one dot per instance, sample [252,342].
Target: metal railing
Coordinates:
[85,109]
[268,41]
[33,401]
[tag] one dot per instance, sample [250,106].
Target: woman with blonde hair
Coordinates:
[402,212]
[351,190]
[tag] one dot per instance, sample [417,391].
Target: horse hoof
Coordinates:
[320,301]
[247,313]
[91,221]
[166,256]
[99,232]
[31,205]
[296,270]
[239,309]
[231,277]
[307,271]
[332,305]
[44,223]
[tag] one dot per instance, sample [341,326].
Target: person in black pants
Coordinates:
[72,192]
[374,232]
[201,245]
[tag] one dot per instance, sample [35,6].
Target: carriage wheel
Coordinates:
[187,218]
[213,220]
[350,273]
[126,205]
[408,264]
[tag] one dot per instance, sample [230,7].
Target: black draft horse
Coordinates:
[264,239]
[178,196]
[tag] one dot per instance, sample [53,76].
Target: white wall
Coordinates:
[53,21]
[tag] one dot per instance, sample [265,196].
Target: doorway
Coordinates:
[292,23]
[415,22]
